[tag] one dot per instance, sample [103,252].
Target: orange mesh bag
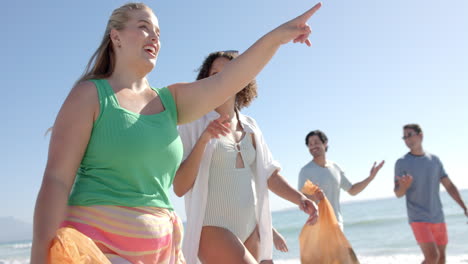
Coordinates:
[71,246]
[324,242]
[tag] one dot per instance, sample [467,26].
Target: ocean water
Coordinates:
[377,229]
[15,253]
[379,232]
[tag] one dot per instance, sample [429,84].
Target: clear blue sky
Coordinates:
[374,66]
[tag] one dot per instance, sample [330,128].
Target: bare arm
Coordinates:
[453,191]
[68,142]
[360,186]
[188,170]
[402,184]
[197,98]
[279,241]
[279,185]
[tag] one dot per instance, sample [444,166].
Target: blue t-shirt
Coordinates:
[422,197]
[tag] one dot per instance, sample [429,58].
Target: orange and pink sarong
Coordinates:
[130,234]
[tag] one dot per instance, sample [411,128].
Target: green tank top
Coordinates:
[131,159]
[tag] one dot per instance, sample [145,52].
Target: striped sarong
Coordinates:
[130,234]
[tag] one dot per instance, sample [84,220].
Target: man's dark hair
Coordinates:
[415,127]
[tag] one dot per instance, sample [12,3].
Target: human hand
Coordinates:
[375,169]
[297,29]
[317,196]
[280,242]
[216,128]
[310,208]
[404,181]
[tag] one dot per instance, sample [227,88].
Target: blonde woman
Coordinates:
[115,148]
[225,177]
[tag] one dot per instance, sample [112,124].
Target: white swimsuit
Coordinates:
[231,198]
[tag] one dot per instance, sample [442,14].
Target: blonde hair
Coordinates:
[102,63]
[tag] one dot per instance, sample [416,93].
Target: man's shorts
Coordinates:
[430,232]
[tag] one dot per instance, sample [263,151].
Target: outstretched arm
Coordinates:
[197,98]
[279,185]
[453,191]
[360,186]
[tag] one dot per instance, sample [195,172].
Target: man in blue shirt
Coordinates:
[418,175]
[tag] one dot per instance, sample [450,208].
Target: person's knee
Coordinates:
[432,257]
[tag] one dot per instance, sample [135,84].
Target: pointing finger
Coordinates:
[304,17]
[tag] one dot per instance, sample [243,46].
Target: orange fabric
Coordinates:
[324,242]
[430,232]
[72,247]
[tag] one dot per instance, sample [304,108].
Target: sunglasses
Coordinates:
[410,134]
